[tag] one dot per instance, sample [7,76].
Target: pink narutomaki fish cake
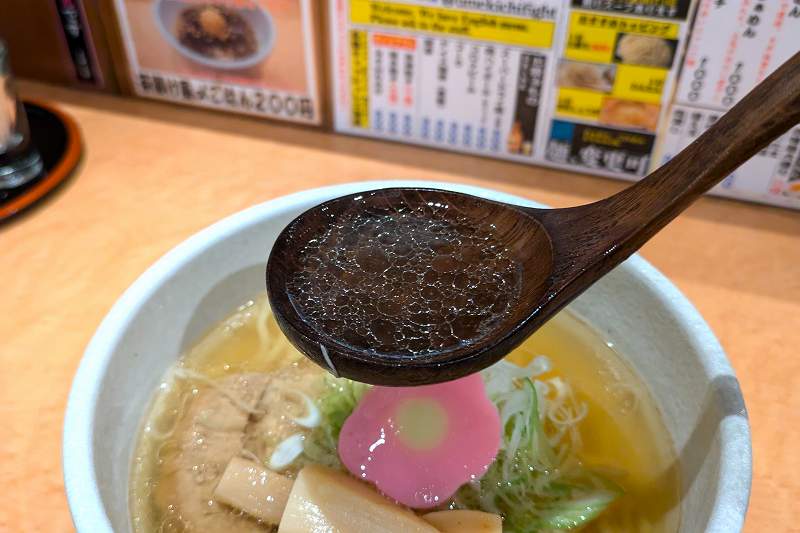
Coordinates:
[418,445]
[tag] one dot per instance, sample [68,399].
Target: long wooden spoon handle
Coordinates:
[590,240]
[764,114]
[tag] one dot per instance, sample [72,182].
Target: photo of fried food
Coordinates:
[216,31]
[518,141]
[643,50]
[629,114]
[590,76]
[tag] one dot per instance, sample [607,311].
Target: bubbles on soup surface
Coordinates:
[405,281]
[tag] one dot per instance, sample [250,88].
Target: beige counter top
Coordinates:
[154,174]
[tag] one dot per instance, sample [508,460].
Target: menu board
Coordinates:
[470,79]
[247,56]
[734,46]
[571,83]
[615,77]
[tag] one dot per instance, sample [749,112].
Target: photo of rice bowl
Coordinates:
[216,35]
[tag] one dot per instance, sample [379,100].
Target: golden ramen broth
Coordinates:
[622,434]
[622,431]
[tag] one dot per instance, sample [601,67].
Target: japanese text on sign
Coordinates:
[248,100]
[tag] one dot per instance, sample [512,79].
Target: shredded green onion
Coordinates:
[335,404]
[531,485]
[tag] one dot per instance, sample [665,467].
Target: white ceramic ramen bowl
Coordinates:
[166,14]
[203,279]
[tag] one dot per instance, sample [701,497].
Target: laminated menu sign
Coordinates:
[249,56]
[613,81]
[571,83]
[734,46]
[467,75]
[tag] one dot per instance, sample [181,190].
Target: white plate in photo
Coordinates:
[166,13]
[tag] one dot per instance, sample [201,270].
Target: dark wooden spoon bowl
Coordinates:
[522,236]
[559,252]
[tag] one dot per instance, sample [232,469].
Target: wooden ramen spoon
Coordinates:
[558,253]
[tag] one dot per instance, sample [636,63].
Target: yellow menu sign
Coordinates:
[625,64]
[643,84]
[592,37]
[579,103]
[359,78]
[483,27]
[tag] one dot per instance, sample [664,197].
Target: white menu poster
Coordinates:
[733,47]
[462,75]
